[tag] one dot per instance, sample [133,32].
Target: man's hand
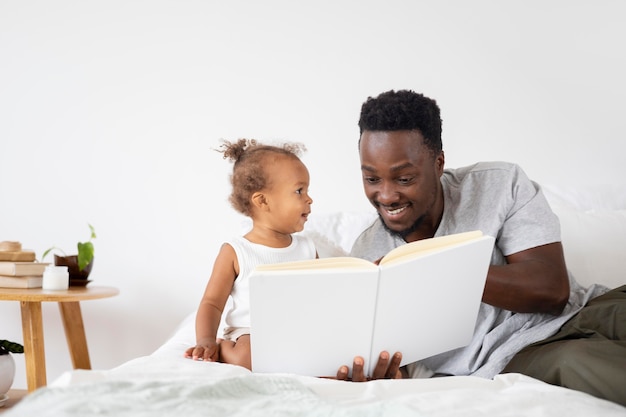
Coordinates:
[386,368]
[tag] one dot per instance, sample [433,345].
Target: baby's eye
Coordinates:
[299,191]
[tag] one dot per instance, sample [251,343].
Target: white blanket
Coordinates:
[153,386]
[167,384]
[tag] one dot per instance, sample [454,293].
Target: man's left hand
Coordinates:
[386,368]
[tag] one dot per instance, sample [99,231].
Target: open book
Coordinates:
[311,317]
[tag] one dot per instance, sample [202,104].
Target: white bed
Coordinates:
[164,383]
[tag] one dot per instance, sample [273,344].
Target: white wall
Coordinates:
[109,111]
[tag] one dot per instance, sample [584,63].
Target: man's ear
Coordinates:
[259,201]
[440,162]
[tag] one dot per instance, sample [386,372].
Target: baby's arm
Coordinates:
[212,305]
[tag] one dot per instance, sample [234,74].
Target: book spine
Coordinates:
[373,356]
[22,269]
[20,282]
[7,268]
[17,256]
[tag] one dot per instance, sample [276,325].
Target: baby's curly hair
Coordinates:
[403,110]
[249,175]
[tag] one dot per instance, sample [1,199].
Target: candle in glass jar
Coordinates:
[55,278]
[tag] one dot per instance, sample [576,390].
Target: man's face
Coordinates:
[401,179]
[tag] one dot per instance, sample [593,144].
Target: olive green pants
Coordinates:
[587,354]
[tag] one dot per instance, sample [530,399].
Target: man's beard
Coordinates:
[403,233]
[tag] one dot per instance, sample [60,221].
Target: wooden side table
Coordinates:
[32,325]
[15,396]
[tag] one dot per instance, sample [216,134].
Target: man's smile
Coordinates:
[394,210]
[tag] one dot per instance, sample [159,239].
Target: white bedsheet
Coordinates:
[167,384]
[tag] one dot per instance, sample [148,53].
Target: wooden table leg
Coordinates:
[32,329]
[75,334]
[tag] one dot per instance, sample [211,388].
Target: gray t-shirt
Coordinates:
[498,199]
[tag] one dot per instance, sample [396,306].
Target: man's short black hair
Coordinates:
[403,110]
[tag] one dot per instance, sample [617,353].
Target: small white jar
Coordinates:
[55,278]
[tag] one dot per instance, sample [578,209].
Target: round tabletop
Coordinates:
[71,294]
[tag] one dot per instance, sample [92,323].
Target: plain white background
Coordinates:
[110,112]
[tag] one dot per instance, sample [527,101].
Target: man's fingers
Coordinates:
[387,367]
[342,373]
[393,371]
[380,371]
[357,370]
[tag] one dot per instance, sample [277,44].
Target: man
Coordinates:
[528,295]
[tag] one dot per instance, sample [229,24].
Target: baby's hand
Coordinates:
[203,352]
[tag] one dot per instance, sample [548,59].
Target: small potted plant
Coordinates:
[7,366]
[78,266]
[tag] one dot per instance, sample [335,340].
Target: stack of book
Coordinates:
[19,268]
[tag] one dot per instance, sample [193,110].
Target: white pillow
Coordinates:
[593,230]
[594,243]
[335,233]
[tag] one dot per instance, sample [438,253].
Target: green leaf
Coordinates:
[45,253]
[85,254]
[93,232]
[11,346]
[49,250]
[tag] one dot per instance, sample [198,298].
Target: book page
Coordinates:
[321,263]
[425,246]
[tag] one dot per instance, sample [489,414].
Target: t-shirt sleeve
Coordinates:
[530,222]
